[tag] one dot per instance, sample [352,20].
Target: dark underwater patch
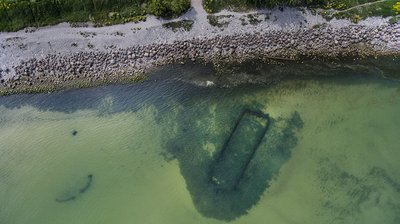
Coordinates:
[255,173]
[74,192]
[356,193]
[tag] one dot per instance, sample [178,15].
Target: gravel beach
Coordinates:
[62,53]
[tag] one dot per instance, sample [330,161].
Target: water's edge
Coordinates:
[227,73]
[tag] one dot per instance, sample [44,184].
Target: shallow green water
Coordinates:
[330,155]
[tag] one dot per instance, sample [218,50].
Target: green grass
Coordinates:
[17,14]
[213,6]
[344,4]
[379,9]
[344,7]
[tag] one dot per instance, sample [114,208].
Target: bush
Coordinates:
[211,6]
[396,7]
[356,18]
[168,8]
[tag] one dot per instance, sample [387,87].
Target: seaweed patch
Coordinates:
[348,196]
[250,149]
[74,193]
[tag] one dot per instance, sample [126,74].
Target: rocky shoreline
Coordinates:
[131,64]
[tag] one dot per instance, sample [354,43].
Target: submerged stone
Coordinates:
[70,198]
[225,184]
[239,149]
[74,192]
[88,183]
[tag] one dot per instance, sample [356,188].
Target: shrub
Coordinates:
[168,8]
[356,18]
[396,7]
[211,6]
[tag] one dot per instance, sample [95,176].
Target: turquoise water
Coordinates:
[160,152]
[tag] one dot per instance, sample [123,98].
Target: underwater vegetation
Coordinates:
[230,154]
[373,191]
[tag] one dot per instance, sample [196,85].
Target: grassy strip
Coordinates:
[344,4]
[17,14]
[383,8]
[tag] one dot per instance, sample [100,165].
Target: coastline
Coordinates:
[62,56]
